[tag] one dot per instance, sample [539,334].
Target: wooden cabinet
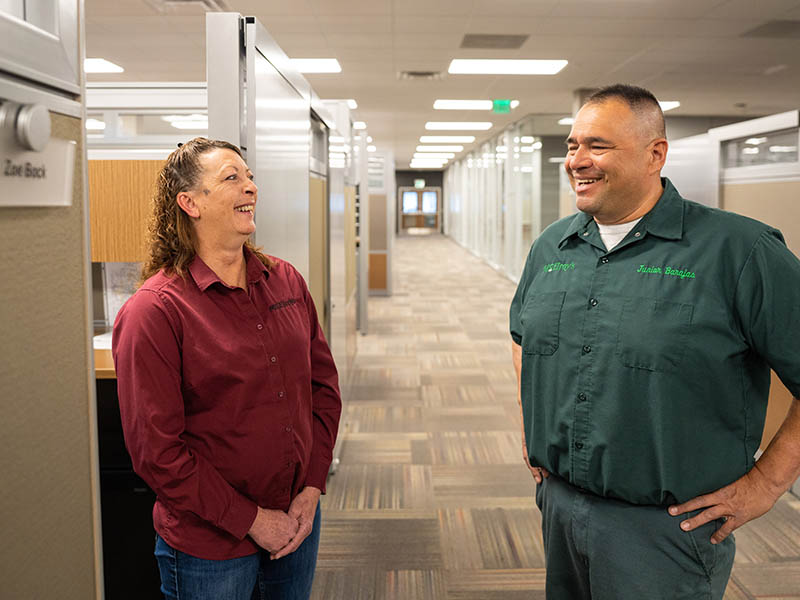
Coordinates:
[120,195]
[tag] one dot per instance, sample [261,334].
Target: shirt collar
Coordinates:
[204,277]
[664,220]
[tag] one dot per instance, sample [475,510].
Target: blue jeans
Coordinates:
[254,577]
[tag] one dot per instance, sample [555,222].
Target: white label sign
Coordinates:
[38,178]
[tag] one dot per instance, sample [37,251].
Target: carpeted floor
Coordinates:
[432,500]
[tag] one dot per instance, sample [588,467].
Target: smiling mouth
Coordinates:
[248,208]
[584,183]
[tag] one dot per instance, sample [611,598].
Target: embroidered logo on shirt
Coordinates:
[681,273]
[558,266]
[283,304]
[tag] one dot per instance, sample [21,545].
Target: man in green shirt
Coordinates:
[644,329]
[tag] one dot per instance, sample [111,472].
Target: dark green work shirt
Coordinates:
[645,370]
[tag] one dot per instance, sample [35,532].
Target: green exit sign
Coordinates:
[419,183]
[501,106]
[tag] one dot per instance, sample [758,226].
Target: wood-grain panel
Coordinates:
[377,271]
[120,194]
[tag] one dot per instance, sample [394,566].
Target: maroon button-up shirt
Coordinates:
[229,400]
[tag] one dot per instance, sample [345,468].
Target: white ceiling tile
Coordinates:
[293,8]
[354,24]
[351,7]
[631,9]
[514,8]
[764,10]
[358,40]
[440,24]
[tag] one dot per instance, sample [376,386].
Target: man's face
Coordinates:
[609,163]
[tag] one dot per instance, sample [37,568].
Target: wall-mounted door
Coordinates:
[420,209]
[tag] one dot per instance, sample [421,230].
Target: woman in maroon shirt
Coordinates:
[228,392]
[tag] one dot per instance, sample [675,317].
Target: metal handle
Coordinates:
[28,123]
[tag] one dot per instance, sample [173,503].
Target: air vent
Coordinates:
[776,30]
[492,41]
[420,75]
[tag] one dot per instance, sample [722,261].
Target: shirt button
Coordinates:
[637,234]
[288,428]
[604,260]
[585,233]
[587,349]
[579,445]
[581,397]
[593,301]
[281,394]
[260,326]
[273,359]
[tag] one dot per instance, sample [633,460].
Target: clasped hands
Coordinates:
[281,533]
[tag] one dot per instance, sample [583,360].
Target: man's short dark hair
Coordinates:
[639,99]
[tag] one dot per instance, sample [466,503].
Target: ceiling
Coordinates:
[693,51]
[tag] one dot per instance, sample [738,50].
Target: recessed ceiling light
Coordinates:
[359,125]
[95,125]
[447,139]
[458,125]
[316,65]
[566,121]
[440,148]
[492,66]
[371,148]
[369,139]
[514,103]
[352,104]
[755,140]
[100,65]
[669,105]
[444,155]
[463,105]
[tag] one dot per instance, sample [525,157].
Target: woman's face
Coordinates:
[225,199]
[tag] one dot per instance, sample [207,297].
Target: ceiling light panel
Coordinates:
[458,125]
[440,148]
[669,105]
[442,155]
[352,104]
[493,66]
[447,139]
[316,65]
[462,105]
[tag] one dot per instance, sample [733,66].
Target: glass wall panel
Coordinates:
[502,195]
[429,202]
[410,202]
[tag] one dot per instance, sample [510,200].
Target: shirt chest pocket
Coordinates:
[653,334]
[540,319]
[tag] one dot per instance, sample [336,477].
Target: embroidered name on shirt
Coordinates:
[681,273]
[558,266]
[283,304]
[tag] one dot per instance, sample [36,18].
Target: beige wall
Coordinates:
[48,461]
[318,249]
[775,203]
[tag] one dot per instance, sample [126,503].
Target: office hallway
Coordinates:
[431,500]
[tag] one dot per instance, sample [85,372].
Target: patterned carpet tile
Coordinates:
[380,486]
[431,500]
[384,544]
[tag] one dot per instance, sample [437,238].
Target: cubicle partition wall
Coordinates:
[502,195]
[382,221]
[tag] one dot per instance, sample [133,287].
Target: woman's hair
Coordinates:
[171,237]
